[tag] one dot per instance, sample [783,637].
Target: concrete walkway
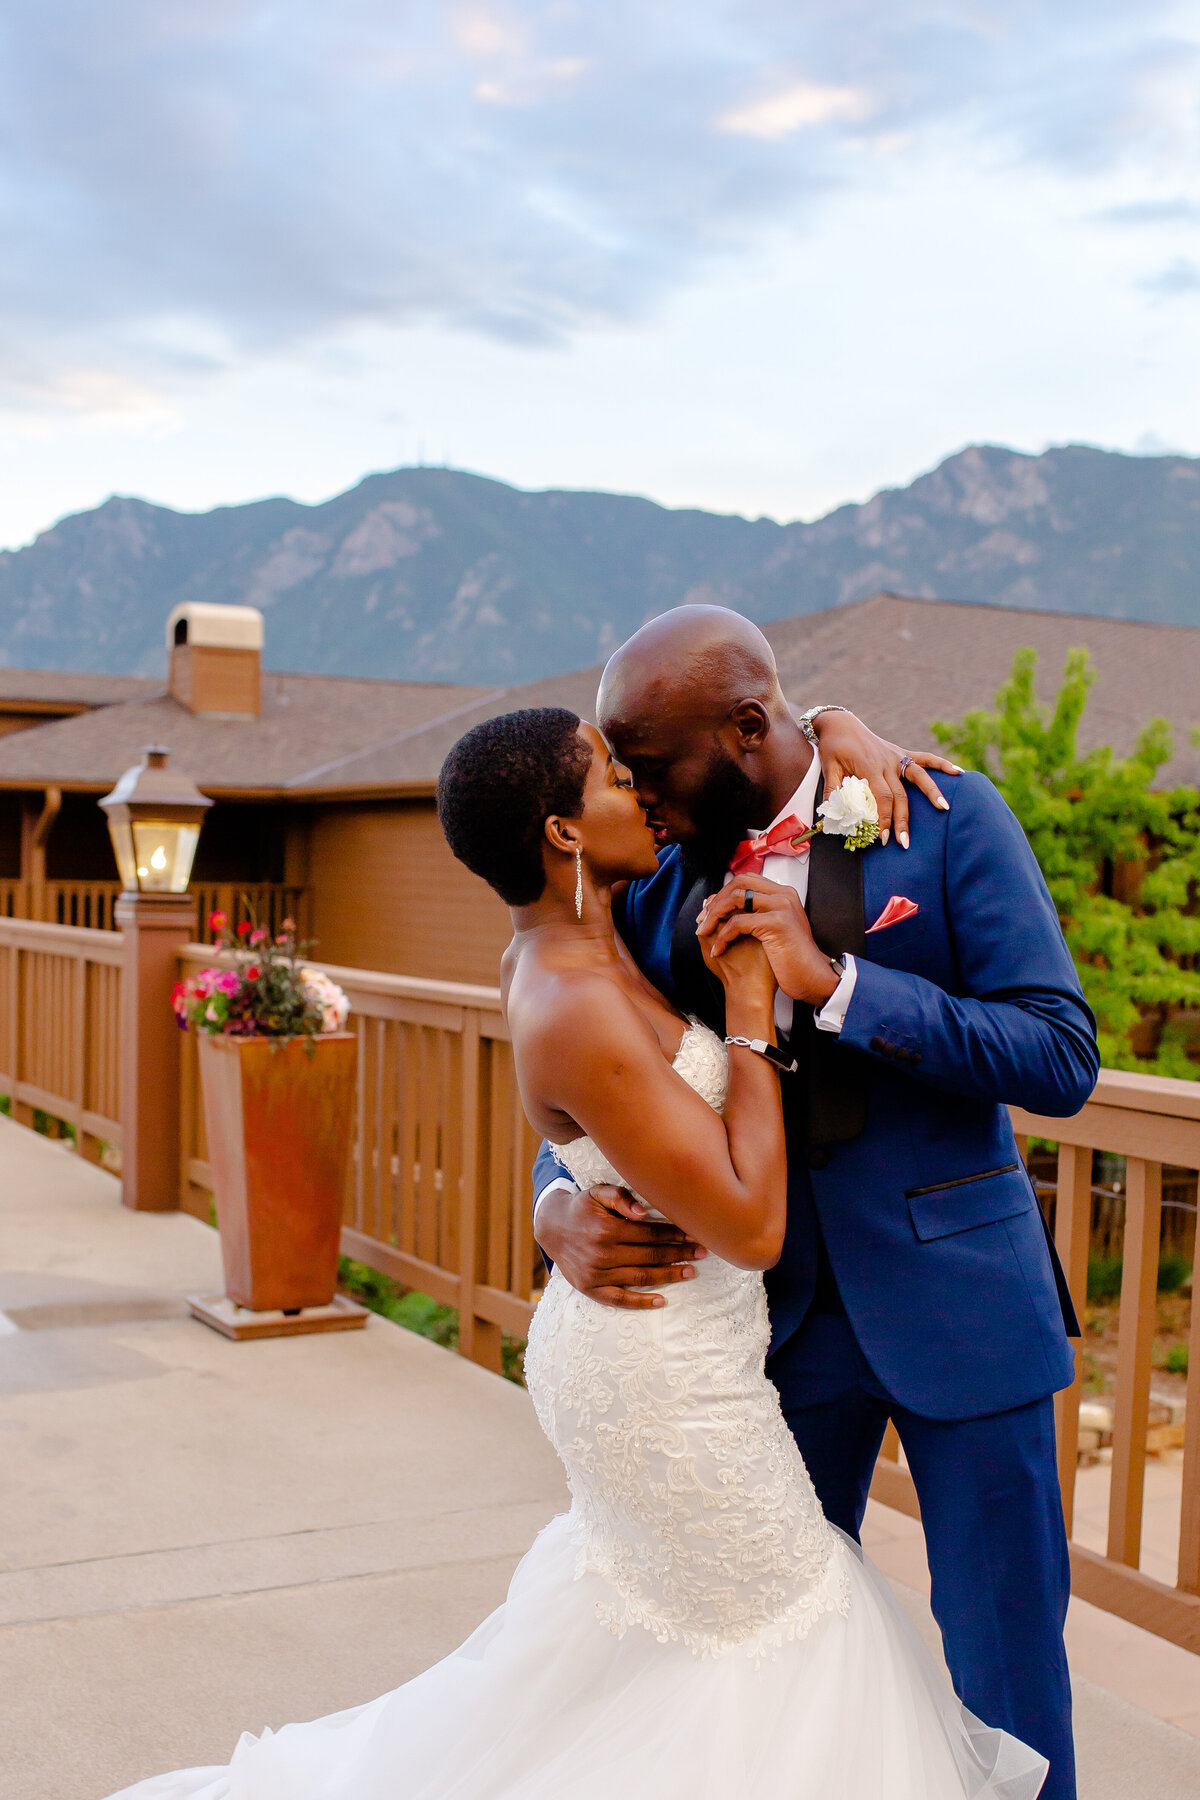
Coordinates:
[201,1537]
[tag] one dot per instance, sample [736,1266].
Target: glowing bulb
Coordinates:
[159,859]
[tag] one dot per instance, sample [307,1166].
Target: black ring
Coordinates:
[748,902]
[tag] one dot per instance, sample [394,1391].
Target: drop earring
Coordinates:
[578,882]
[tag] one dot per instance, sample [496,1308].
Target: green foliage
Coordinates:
[1175,1362]
[1086,816]
[1104,1276]
[418,1312]
[1173,1270]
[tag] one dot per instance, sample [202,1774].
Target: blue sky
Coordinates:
[744,254]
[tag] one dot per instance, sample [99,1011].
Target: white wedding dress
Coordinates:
[692,1629]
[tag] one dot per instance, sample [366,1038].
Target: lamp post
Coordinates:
[154,818]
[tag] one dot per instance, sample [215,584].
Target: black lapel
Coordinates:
[696,987]
[838,1077]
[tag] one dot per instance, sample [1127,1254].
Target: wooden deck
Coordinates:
[203,1536]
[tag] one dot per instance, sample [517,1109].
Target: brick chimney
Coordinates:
[216,658]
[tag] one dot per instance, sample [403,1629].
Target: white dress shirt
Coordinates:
[787,871]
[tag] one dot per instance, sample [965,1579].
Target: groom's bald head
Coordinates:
[692,704]
[695,663]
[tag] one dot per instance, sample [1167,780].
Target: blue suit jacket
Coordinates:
[901,1154]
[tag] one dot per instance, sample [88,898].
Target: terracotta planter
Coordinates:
[280,1130]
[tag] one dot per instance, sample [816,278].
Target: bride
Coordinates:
[692,1626]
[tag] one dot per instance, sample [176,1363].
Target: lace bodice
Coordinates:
[689,1496]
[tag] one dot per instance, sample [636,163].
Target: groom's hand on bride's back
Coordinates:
[607,1248]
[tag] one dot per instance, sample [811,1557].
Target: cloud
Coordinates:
[797,107]
[1149,443]
[223,179]
[1180,277]
[1176,211]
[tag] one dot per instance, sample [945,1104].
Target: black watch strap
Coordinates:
[785,1064]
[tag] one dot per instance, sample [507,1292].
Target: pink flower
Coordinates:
[217,921]
[259,936]
[227,982]
[287,927]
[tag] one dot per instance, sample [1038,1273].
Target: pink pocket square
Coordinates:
[896,909]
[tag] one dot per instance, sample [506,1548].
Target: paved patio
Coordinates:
[201,1536]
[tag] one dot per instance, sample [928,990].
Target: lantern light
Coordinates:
[154,819]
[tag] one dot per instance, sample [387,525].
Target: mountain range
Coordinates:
[436,574]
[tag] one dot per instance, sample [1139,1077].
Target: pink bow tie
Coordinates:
[752,852]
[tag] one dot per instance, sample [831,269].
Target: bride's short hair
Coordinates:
[499,785]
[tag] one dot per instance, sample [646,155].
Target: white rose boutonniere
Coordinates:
[851,813]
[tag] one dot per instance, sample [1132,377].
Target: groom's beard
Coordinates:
[720,810]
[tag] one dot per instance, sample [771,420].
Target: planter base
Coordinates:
[238,1322]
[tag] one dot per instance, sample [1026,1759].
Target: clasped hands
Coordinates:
[780,924]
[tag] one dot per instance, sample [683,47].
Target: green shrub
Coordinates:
[1086,814]
[1104,1276]
[1173,1271]
[1175,1362]
[418,1312]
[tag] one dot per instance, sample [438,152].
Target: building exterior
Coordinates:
[323,785]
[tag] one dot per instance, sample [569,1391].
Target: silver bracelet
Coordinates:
[805,721]
[760,1047]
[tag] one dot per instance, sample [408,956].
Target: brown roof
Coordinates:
[308,722]
[50,685]
[898,662]
[901,663]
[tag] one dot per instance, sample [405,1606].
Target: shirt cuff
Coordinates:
[832,1015]
[564,1183]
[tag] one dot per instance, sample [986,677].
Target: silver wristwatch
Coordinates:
[805,721]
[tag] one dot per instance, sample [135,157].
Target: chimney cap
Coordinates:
[219,627]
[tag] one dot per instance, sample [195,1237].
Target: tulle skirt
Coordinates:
[542,1702]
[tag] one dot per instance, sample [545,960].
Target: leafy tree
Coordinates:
[1121,859]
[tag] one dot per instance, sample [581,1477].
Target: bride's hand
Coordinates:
[848,747]
[745,973]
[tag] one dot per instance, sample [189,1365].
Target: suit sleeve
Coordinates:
[546,1169]
[1020,1031]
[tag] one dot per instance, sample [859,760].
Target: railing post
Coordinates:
[1072,1231]
[1135,1345]
[1189,1511]
[477,1338]
[155,931]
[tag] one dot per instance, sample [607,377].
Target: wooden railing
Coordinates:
[90,904]
[1150,1121]
[14,902]
[266,903]
[85,903]
[60,1027]
[439,1197]
[439,1192]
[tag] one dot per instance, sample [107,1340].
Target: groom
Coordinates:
[922,989]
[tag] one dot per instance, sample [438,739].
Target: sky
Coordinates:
[760,256]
